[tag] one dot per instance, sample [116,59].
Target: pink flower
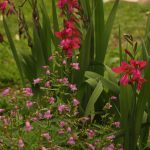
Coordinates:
[72,87]
[3,6]
[27,91]
[111,137]
[61,132]
[75,66]
[62,124]
[75,102]
[44,148]
[48,115]
[91,146]
[64,62]
[117,124]
[37,81]
[2,110]
[65,80]
[48,72]
[90,133]
[51,100]
[6,92]
[62,108]
[131,72]
[29,104]
[47,84]
[71,141]
[28,126]
[46,136]
[20,143]
[124,79]
[113,98]
[45,67]
[50,58]
[69,130]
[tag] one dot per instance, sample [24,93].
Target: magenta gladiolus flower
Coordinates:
[3,6]
[131,72]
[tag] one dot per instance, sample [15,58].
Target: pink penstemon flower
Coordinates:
[27,91]
[71,141]
[75,66]
[44,148]
[91,146]
[90,133]
[62,108]
[73,87]
[6,92]
[21,143]
[28,126]
[62,124]
[46,136]
[117,124]
[48,115]
[37,81]
[2,110]
[51,100]
[29,104]
[75,102]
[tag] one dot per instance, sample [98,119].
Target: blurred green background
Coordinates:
[131,17]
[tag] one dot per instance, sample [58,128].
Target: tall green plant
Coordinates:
[41,43]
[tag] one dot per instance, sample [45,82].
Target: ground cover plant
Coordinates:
[70,97]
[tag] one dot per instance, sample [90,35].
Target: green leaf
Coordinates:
[55,18]
[91,82]
[106,83]
[94,97]
[14,51]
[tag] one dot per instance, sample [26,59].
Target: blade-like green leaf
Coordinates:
[55,18]
[106,83]
[14,51]
[99,29]
[94,97]
[91,82]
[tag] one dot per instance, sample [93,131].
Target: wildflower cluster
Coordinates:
[51,121]
[131,72]
[70,35]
